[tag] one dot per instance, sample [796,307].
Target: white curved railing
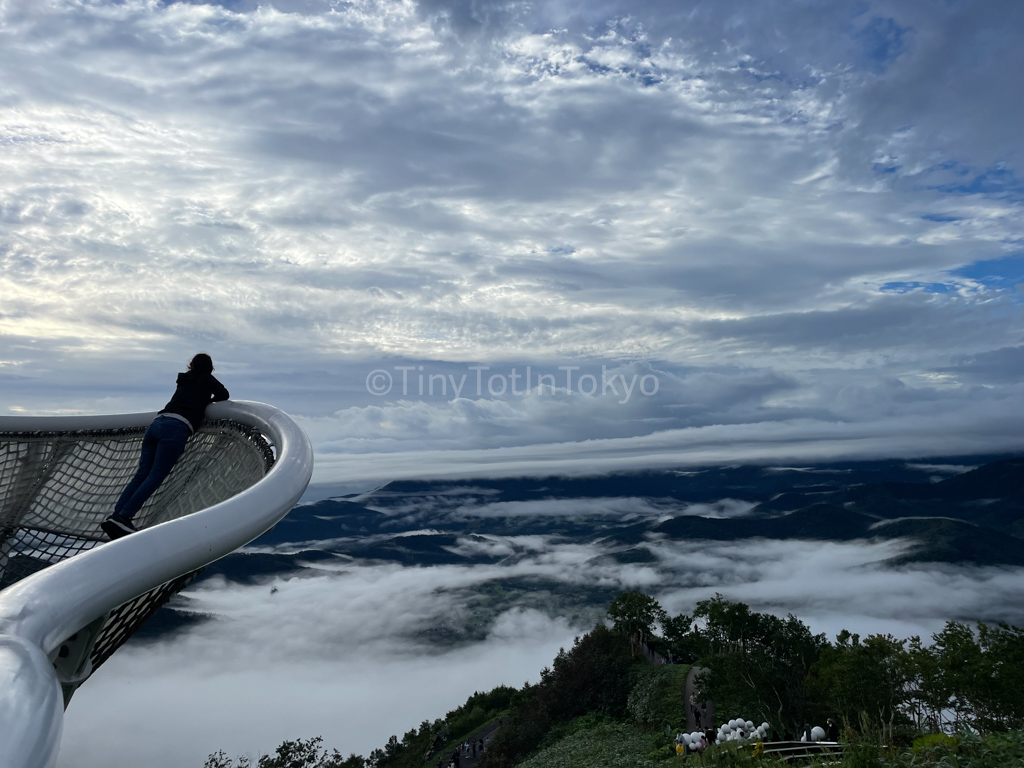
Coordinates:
[52,615]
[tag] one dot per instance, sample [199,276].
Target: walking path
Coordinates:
[469,759]
[689,693]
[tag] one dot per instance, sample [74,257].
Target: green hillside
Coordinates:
[602,704]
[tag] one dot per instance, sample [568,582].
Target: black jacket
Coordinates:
[195,391]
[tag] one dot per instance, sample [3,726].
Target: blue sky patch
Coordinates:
[881,42]
[998,273]
[914,285]
[593,66]
[997,180]
[231,5]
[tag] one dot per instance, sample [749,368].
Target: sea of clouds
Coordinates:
[349,654]
[804,220]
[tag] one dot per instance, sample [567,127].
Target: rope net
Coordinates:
[57,487]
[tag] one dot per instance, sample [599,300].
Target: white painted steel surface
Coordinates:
[38,613]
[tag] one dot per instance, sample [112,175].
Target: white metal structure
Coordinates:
[82,596]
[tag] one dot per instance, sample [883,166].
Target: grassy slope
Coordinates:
[595,743]
[606,745]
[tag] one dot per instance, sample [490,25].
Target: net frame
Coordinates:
[50,620]
[57,486]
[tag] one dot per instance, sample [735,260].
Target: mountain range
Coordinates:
[962,511]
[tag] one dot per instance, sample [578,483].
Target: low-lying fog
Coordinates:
[352,654]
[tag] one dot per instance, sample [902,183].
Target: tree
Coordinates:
[1001,703]
[594,676]
[634,614]
[219,759]
[291,754]
[977,675]
[872,681]
[947,672]
[306,754]
[728,625]
[684,641]
[757,663]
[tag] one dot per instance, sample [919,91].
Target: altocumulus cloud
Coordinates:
[797,226]
[803,219]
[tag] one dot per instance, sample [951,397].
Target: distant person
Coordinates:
[832,732]
[165,439]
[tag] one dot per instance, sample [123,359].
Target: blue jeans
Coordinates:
[163,443]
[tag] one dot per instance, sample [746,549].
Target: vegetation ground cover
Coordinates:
[602,704]
[601,745]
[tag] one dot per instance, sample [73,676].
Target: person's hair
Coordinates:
[201,363]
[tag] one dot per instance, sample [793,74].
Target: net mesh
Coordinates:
[57,487]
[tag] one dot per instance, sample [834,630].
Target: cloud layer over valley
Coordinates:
[486,239]
[351,656]
[456,587]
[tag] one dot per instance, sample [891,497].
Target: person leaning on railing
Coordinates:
[165,440]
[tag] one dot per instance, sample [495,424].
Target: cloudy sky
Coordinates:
[722,230]
[761,230]
[495,237]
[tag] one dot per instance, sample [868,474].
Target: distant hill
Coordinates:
[954,511]
[426,523]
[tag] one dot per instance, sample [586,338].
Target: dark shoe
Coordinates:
[116,526]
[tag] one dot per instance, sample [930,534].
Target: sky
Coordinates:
[721,229]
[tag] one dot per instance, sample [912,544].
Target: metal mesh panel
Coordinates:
[124,620]
[56,488]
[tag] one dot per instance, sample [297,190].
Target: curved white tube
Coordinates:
[41,611]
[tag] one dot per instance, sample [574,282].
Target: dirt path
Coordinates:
[707,713]
[467,759]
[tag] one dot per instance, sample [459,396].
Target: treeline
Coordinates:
[416,747]
[594,677]
[758,666]
[764,667]
[432,741]
[775,669]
